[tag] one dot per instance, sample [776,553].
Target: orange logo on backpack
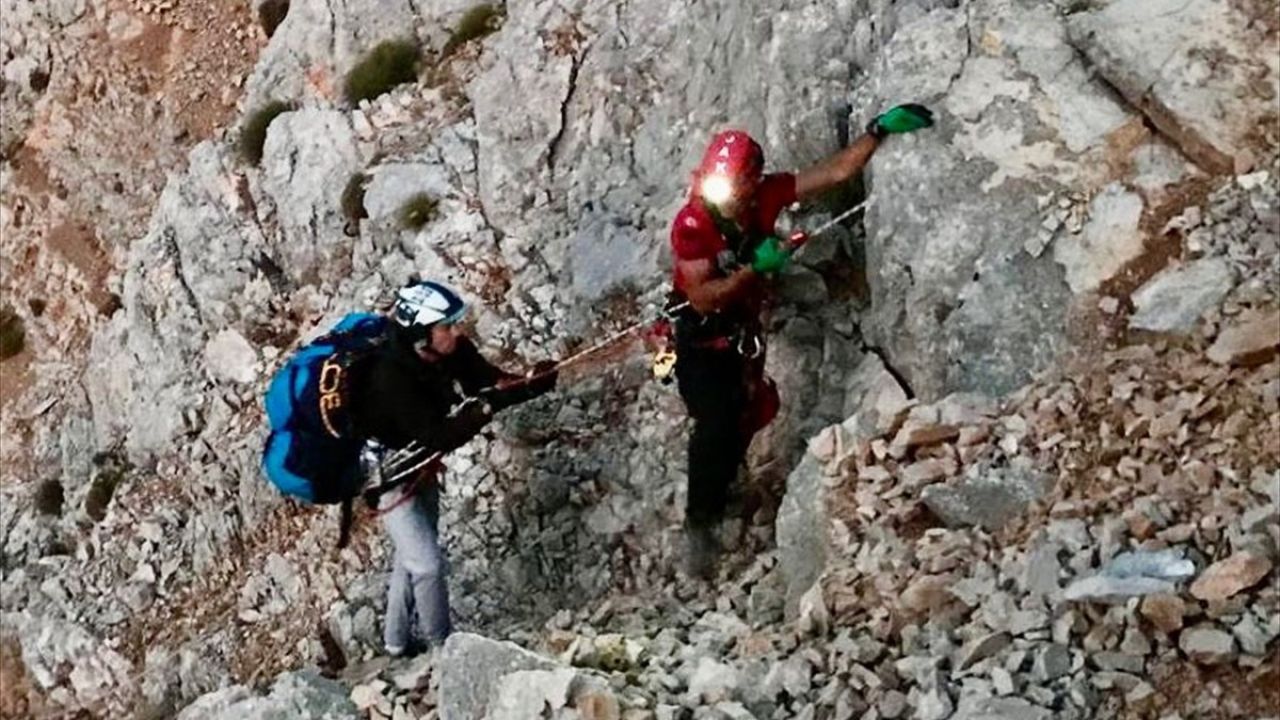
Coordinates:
[330,394]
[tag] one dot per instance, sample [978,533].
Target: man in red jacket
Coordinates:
[725,247]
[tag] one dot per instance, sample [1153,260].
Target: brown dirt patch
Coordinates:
[30,174]
[1089,328]
[18,695]
[196,55]
[1121,143]
[76,243]
[1160,247]
[1237,692]
[15,378]
[149,49]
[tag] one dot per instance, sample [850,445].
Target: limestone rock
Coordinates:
[988,500]
[1227,577]
[975,708]
[231,357]
[1177,297]
[1110,239]
[1211,108]
[471,668]
[1207,645]
[302,695]
[1250,341]
[712,681]
[318,42]
[801,529]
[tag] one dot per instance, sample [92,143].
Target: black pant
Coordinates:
[714,385]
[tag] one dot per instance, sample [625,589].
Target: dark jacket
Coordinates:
[397,397]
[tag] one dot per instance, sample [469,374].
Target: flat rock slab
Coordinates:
[1204,71]
[1007,708]
[1225,578]
[1207,645]
[471,669]
[302,695]
[1174,300]
[989,501]
[1111,238]
[1252,340]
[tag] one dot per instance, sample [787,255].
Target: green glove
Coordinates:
[770,256]
[901,119]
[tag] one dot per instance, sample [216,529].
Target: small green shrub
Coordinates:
[387,65]
[13,336]
[353,198]
[38,80]
[111,470]
[100,493]
[253,136]
[479,21]
[417,211]
[49,498]
[110,304]
[271,13]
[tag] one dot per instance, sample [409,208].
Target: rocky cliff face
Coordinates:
[1079,190]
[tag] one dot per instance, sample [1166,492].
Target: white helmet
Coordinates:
[420,305]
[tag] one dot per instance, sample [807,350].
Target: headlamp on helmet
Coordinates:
[716,189]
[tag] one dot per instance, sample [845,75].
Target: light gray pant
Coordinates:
[419,570]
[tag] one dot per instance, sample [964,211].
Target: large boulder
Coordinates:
[195,272]
[471,669]
[978,237]
[1207,73]
[873,399]
[1177,297]
[302,695]
[308,158]
[319,41]
[483,678]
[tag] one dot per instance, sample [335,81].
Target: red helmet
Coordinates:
[734,154]
[733,160]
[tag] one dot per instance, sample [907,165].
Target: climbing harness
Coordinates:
[750,346]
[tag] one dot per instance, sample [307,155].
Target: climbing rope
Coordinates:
[411,453]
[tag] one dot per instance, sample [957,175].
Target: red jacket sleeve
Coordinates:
[776,192]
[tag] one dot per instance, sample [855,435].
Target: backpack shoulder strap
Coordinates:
[345,524]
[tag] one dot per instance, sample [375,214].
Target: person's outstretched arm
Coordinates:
[499,388]
[845,164]
[835,170]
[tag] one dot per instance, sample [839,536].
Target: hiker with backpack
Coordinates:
[413,385]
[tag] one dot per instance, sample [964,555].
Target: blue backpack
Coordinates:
[312,453]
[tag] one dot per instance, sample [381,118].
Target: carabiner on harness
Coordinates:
[664,365]
[750,346]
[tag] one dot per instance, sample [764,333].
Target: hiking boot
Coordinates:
[415,648]
[701,551]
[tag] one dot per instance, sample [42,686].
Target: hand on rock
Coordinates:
[901,119]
